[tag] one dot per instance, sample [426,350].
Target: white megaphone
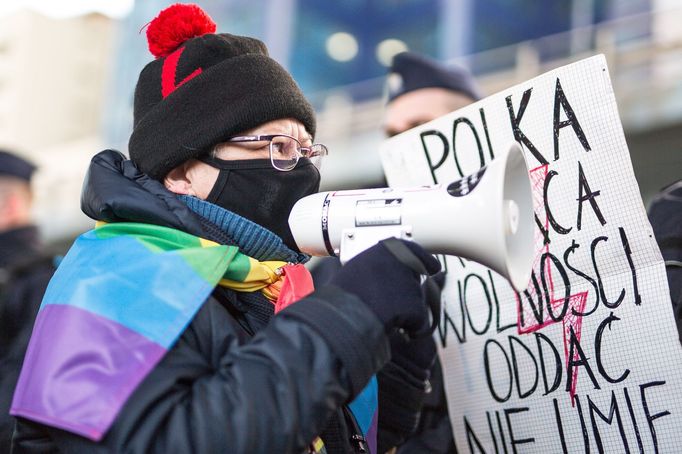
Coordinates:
[486,217]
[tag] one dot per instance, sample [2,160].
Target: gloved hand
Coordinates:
[403,388]
[388,286]
[416,356]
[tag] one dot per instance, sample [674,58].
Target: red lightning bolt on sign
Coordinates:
[576,303]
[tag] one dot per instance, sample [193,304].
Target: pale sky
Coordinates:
[67,8]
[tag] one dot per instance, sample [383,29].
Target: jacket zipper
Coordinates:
[357,440]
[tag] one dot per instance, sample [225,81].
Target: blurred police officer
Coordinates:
[665,215]
[421,89]
[24,273]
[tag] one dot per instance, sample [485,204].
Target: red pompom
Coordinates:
[175,25]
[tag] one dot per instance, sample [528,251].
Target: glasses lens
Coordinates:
[284,152]
[317,152]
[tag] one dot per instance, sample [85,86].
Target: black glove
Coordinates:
[388,285]
[403,388]
[415,356]
[404,384]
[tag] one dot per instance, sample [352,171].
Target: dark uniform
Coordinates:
[24,273]
[665,215]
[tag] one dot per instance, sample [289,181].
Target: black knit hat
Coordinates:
[410,71]
[204,88]
[12,165]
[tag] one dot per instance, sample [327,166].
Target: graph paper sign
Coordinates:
[587,359]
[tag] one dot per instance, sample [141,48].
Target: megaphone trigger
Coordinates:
[405,255]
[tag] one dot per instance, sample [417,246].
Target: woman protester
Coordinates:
[158,331]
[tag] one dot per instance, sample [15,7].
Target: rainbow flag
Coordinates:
[118,302]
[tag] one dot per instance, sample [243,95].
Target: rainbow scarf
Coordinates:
[118,302]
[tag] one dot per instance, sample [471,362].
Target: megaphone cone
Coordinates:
[486,217]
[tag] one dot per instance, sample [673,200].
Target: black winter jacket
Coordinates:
[665,215]
[25,271]
[219,389]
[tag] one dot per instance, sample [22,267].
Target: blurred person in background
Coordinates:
[169,327]
[25,270]
[665,215]
[419,89]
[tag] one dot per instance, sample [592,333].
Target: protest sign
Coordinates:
[587,359]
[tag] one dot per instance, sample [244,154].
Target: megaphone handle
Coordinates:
[431,288]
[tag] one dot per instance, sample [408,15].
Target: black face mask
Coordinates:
[257,191]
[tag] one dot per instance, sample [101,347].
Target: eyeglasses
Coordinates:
[286,150]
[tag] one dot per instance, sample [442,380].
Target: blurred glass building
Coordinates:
[326,45]
[338,52]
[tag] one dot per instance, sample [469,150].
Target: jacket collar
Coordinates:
[114,190]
